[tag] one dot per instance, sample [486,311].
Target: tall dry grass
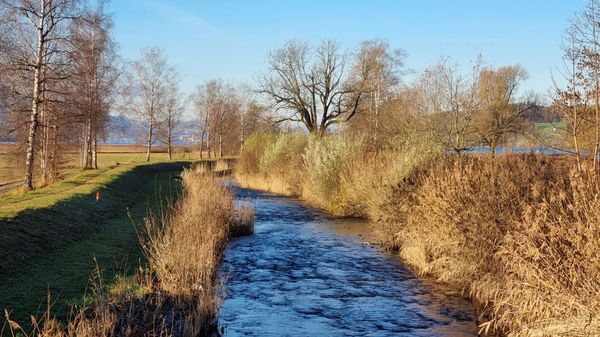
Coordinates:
[334,172]
[520,234]
[180,291]
[272,163]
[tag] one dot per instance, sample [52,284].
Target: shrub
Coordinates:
[252,151]
[326,160]
[283,159]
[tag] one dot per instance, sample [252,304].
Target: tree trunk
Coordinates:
[95,151]
[220,145]
[169,147]
[149,144]
[88,145]
[597,128]
[44,146]
[35,104]
[493,147]
[202,144]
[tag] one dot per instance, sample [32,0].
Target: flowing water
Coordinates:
[304,274]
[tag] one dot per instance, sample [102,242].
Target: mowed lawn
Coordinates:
[54,237]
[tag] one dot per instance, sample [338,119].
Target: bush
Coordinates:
[283,159]
[326,160]
[252,151]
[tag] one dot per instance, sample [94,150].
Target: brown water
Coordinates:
[305,274]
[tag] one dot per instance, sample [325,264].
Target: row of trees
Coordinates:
[323,86]
[227,116]
[61,77]
[57,77]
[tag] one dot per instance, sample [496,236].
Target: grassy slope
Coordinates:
[58,230]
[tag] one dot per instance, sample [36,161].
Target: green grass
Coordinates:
[50,236]
[549,130]
[10,171]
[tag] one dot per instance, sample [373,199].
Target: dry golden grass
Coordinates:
[520,234]
[243,223]
[334,173]
[179,294]
[272,184]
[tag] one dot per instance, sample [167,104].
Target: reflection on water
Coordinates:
[303,274]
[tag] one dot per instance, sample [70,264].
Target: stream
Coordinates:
[306,274]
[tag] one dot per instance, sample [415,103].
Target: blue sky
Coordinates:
[229,39]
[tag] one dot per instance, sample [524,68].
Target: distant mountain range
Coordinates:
[124,130]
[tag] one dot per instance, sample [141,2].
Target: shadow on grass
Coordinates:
[32,233]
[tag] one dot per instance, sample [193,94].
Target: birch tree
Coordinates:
[215,101]
[380,67]
[38,30]
[172,113]
[146,92]
[93,60]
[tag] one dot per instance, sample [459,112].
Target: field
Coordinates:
[12,171]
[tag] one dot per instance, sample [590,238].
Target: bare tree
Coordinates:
[146,91]
[215,103]
[205,98]
[501,110]
[451,102]
[253,118]
[571,102]
[311,85]
[586,33]
[38,29]
[382,68]
[94,75]
[172,113]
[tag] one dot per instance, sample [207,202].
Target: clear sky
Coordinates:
[229,39]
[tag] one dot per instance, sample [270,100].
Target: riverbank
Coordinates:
[174,290]
[51,236]
[516,233]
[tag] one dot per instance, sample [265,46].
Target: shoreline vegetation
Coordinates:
[517,233]
[166,296]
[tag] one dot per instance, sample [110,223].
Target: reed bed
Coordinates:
[519,234]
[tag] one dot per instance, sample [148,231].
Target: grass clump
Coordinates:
[272,162]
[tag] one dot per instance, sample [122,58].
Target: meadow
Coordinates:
[11,167]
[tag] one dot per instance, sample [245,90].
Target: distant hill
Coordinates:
[124,130]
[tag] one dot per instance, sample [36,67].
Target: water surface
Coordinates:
[304,274]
